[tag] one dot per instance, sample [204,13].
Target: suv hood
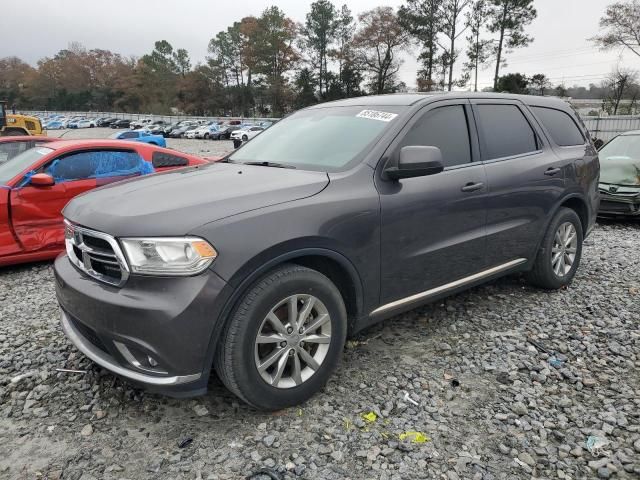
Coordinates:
[174,203]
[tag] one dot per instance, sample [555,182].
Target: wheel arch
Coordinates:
[573,201]
[330,263]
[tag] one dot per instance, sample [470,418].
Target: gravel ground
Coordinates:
[504,381]
[194,146]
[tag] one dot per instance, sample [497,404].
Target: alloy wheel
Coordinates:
[565,247]
[293,341]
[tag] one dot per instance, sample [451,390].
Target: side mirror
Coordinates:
[42,180]
[417,161]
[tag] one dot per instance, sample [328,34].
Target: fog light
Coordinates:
[152,361]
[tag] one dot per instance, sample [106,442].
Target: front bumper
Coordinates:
[155,332]
[619,205]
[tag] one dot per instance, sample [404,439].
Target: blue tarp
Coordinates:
[99,164]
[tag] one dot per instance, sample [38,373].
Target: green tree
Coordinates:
[276,54]
[539,83]
[305,89]
[513,83]
[318,33]
[182,61]
[451,14]
[478,50]
[343,51]
[621,27]
[423,20]
[379,40]
[507,19]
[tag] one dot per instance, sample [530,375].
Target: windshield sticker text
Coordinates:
[376,115]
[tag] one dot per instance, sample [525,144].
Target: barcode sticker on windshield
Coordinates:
[376,115]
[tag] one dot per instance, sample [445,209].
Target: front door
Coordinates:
[433,227]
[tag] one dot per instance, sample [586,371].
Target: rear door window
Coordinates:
[129,135]
[504,131]
[560,125]
[446,128]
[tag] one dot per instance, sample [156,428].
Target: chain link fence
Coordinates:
[605,128]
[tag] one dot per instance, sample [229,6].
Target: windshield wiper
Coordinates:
[269,164]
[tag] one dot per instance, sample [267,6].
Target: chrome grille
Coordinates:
[96,254]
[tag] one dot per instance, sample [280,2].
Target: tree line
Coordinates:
[270,64]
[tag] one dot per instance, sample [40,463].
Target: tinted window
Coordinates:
[504,131]
[560,126]
[129,135]
[445,128]
[162,159]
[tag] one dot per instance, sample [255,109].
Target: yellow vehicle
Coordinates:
[12,124]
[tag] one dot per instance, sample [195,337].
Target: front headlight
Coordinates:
[168,256]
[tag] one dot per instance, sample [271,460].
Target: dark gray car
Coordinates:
[333,219]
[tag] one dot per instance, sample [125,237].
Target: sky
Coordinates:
[560,49]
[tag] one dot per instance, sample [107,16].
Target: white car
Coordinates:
[190,133]
[136,124]
[87,123]
[205,131]
[247,133]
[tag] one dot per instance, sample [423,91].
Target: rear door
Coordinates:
[525,178]
[433,227]
[36,211]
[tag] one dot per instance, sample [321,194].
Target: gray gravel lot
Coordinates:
[505,380]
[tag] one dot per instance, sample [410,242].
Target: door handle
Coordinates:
[472,187]
[552,171]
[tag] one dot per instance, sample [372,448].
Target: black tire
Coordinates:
[542,275]
[206,136]
[245,138]
[235,360]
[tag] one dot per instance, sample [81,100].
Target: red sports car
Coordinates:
[12,146]
[36,184]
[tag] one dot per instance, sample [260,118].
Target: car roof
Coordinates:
[408,99]
[630,133]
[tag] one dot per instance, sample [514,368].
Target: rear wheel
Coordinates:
[284,339]
[560,252]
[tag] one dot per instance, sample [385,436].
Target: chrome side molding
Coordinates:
[449,286]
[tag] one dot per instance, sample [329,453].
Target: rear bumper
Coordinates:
[157,333]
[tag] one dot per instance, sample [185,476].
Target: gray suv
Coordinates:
[335,218]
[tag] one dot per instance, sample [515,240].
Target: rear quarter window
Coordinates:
[562,128]
[164,160]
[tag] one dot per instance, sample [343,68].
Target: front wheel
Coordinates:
[560,252]
[245,138]
[284,339]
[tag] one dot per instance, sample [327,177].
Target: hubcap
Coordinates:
[565,246]
[293,341]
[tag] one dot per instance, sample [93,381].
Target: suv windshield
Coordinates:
[21,162]
[620,161]
[324,139]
